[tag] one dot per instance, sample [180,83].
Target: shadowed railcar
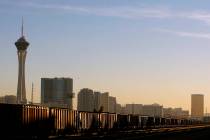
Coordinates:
[150,122]
[163,122]
[134,122]
[157,122]
[36,121]
[167,122]
[122,121]
[11,119]
[143,121]
[25,120]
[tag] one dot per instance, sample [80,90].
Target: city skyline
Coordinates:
[148,52]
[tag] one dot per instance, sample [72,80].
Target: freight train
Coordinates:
[35,120]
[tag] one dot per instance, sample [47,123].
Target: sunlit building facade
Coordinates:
[197,106]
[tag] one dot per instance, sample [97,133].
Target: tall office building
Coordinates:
[112,104]
[85,100]
[21,45]
[134,109]
[105,101]
[97,101]
[197,106]
[154,110]
[57,92]
[118,109]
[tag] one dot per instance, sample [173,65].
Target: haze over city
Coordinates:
[139,51]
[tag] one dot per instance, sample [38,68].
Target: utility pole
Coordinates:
[32,93]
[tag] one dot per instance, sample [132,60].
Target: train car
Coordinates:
[150,122]
[11,119]
[107,120]
[134,122]
[122,121]
[25,120]
[143,121]
[89,120]
[157,122]
[163,122]
[36,121]
[65,120]
[112,120]
[41,121]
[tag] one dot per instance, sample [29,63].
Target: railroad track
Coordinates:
[168,129]
[141,134]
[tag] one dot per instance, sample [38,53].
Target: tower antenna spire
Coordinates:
[22,28]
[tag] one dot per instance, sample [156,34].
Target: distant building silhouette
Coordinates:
[118,108]
[8,99]
[95,101]
[112,104]
[134,109]
[57,92]
[175,113]
[105,101]
[197,106]
[21,45]
[154,110]
[85,100]
[2,99]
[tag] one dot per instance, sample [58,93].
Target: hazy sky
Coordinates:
[141,51]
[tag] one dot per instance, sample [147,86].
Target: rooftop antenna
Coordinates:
[22,28]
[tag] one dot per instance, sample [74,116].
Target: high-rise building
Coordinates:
[105,101]
[57,92]
[112,104]
[85,100]
[154,110]
[118,109]
[21,45]
[134,109]
[97,101]
[197,106]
